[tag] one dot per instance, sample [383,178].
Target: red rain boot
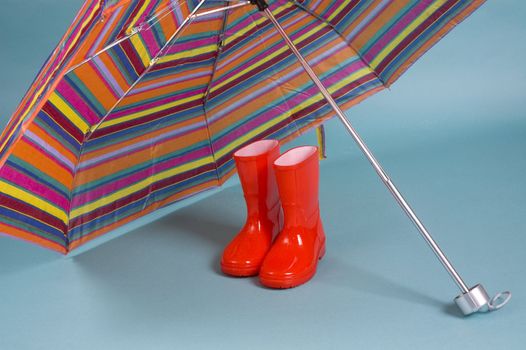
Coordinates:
[245,253]
[294,255]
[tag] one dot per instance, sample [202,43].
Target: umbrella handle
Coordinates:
[472,299]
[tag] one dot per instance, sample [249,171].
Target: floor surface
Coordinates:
[379,287]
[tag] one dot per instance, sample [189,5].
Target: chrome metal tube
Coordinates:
[369,155]
[222,9]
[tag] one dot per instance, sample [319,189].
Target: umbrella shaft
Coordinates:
[374,162]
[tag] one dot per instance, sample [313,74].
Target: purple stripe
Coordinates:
[108,76]
[50,150]
[107,27]
[379,8]
[179,132]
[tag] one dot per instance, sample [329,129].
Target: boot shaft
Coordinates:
[297,174]
[256,174]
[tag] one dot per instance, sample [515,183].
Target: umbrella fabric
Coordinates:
[140,106]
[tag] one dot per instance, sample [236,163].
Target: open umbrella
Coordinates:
[144,102]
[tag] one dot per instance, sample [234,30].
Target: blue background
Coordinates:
[452,135]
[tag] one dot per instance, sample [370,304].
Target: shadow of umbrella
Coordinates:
[211,222]
[367,281]
[167,269]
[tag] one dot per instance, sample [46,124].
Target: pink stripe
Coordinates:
[77,102]
[194,44]
[34,187]
[387,37]
[150,41]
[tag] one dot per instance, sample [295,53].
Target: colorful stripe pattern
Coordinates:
[135,110]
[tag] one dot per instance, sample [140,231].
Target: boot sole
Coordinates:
[238,271]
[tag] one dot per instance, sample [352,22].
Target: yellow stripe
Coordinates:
[338,10]
[139,14]
[141,49]
[188,53]
[398,39]
[268,58]
[62,106]
[139,186]
[34,200]
[238,142]
[148,111]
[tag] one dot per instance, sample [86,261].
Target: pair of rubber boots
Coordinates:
[281,194]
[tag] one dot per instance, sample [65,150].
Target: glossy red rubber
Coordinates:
[295,253]
[245,253]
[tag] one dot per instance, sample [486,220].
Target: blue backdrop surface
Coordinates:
[452,134]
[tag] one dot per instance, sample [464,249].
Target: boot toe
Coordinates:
[243,258]
[282,271]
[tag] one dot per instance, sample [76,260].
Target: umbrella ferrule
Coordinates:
[261,4]
[476,299]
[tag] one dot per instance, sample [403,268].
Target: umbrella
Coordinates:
[144,102]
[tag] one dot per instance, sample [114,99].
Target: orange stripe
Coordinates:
[30,237]
[116,73]
[42,162]
[94,83]
[53,143]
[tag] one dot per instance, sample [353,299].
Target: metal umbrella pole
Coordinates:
[471,299]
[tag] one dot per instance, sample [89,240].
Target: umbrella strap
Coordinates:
[322,148]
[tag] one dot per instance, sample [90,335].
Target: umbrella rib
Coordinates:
[225,8]
[212,75]
[174,36]
[136,30]
[216,60]
[325,21]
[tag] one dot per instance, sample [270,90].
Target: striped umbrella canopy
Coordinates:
[144,102]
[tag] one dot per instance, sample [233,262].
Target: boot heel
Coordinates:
[322,251]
